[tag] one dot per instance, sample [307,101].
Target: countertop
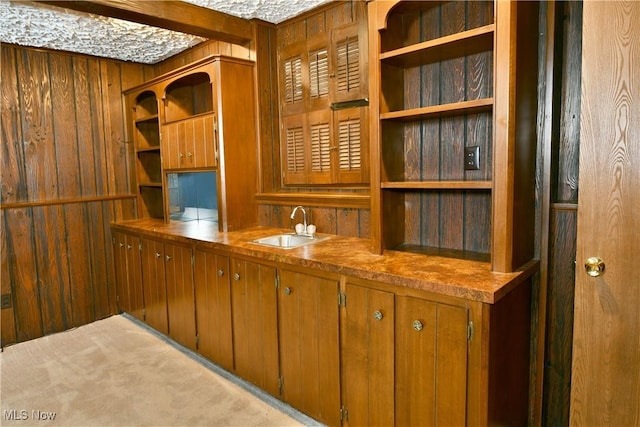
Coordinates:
[351,256]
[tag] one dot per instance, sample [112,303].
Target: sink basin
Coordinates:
[288,241]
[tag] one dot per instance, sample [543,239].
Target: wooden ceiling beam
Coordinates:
[172,15]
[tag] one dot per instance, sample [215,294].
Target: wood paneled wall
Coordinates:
[66,174]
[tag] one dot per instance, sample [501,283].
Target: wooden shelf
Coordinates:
[442,252]
[205,113]
[453,46]
[436,185]
[150,184]
[436,111]
[153,118]
[148,149]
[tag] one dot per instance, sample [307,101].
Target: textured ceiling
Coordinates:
[28,24]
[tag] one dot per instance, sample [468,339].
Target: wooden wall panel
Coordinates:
[66,174]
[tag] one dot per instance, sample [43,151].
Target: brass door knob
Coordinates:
[417,325]
[594,267]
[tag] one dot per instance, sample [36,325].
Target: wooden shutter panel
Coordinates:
[318,73]
[293,80]
[348,65]
[295,149]
[349,146]
[320,147]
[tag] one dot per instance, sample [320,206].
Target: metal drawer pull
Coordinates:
[158,255]
[220,273]
[121,245]
[287,291]
[378,315]
[128,246]
[236,276]
[168,258]
[417,325]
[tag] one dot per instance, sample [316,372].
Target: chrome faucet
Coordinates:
[304,217]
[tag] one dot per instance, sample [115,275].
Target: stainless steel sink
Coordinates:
[288,241]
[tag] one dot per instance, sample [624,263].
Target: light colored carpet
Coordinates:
[116,372]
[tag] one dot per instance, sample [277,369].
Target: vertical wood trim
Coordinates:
[504,135]
[545,116]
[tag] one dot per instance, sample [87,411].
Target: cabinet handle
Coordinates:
[220,273]
[189,154]
[158,255]
[236,276]
[121,244]
[128,246]
[168,258]
[378,315]
[287,291]
[417,325]
[180,155]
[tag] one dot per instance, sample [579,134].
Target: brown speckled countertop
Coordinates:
[351,256]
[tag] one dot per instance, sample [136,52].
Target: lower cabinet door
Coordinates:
[431,363]
[368,356]
[180,294]
[309,344]
[255,323]
[153,283]
[134,276]
[213,307]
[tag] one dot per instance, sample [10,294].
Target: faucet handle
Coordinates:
[311,230]
[300,229]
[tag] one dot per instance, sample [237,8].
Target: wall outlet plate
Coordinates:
[472,158]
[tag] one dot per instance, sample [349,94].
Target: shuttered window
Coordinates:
[348,72]
[318,73]
[295,150]
[349,144]
[293,80]
[320,146]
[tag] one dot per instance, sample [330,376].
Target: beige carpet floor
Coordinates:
[116,372]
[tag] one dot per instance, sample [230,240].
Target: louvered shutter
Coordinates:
[349,147]
[293,80]
[318,73]
[295,149]
[348,65]
[320,146]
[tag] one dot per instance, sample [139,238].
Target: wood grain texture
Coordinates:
[59,189]
[606,337]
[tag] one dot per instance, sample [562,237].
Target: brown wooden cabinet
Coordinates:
[128,269]
[154,284]
[323,90]
[452,88]
[368,355]
[415,358]
[180,293]
[308,335]
[200,117]
[431,345]
[212,277]
[255,323]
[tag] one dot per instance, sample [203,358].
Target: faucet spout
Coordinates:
[304,216]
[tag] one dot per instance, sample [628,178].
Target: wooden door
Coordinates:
[153,283]
[431,363]
[255,324]
[309,345]
[134,276]
[180,294]
[213,307]
[606,342]
[368,356]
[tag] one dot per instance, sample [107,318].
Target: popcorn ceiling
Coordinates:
[62,29]
[53,28]
[273,11]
